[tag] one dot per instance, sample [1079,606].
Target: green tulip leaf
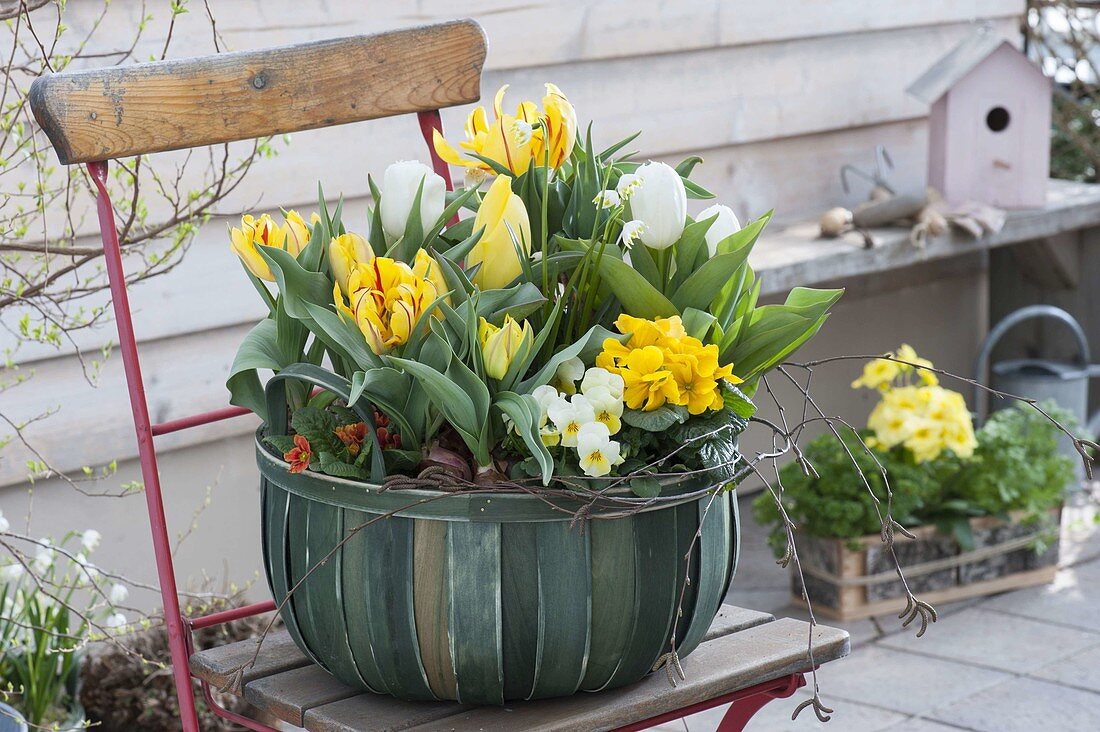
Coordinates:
[526,414]
[386,388]
[638,297]
[258,350]
[586,348]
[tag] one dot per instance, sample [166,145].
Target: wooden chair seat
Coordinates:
[742,649]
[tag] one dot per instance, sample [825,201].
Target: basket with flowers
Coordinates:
[984,504]
[464,377]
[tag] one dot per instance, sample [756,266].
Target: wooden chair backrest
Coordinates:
[169,105]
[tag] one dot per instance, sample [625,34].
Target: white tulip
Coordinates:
[724,226]
[660,202]
[399,185]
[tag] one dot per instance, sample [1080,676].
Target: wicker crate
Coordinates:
[850,579]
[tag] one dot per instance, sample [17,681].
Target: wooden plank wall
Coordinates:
[774,99]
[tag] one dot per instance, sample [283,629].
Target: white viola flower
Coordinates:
[117,620]
[608,407]
[90,539]
[522,131]
[632,232]
[661,203]
[11,572]
[607,199]
[724,226]
[597,376]
[569,372]
[4,525]
[118,593]
[44,557]
[597,452]
[569,416]
[399,185]
[628,183]
[549,435]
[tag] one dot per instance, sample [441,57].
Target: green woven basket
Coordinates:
[484,597]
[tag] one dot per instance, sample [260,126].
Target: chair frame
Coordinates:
[88,120]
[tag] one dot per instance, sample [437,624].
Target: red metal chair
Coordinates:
[94,116]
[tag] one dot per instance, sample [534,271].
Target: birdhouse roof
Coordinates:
[950,69]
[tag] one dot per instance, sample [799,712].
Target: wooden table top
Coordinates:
[742,648]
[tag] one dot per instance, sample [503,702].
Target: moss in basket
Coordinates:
[1015,467]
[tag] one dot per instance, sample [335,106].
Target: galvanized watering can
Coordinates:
[1067,384]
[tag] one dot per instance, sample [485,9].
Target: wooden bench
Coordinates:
[747,657]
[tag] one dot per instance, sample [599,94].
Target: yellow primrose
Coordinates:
[501,346]
[344,253]
[386,299]
[877,374]
[514,141]
[647,385]
[503,218]
[292,237]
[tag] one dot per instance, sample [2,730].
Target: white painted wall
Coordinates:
[774,96]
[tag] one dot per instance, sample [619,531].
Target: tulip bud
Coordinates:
[344,252]
[561,126]
[501,346]
[252,234]
[296,232]
[399,185]
[503,217]
[724,226]
[660,202]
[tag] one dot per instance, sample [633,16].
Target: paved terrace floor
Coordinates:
[1016,662]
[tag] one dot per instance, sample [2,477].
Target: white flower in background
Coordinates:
[568,373]
[522,131]
[43,558]
[4,525]
[632,231]
[88,570]
[724,226]
[118,594]
[607,199]
[116,620]
[570,415]
[90,539]
[399,185]
[628,183]
[11,572]
[608,407]
[597,377]
[597,452]
[661,203]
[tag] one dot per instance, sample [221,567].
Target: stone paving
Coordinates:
[1016,662]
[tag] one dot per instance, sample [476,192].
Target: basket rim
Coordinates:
[504,505]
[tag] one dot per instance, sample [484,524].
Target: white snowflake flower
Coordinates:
[632,231]
[43,558]
[117,620]
[628,183]
[522,131]
[4,525]
[607,199]
[118,594]
[90,539]
[11,572]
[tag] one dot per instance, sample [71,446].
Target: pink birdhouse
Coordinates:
[989,126]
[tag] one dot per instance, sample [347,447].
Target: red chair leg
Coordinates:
[743,710]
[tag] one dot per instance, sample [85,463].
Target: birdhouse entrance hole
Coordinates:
[997,119]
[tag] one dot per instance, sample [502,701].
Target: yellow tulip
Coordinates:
[426,268]
[561,126]
[514,141]
[503,217]
[386,299]
[296,231]
[344,253]
[501,346]
[292,237]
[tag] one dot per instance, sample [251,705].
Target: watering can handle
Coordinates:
[981,364]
